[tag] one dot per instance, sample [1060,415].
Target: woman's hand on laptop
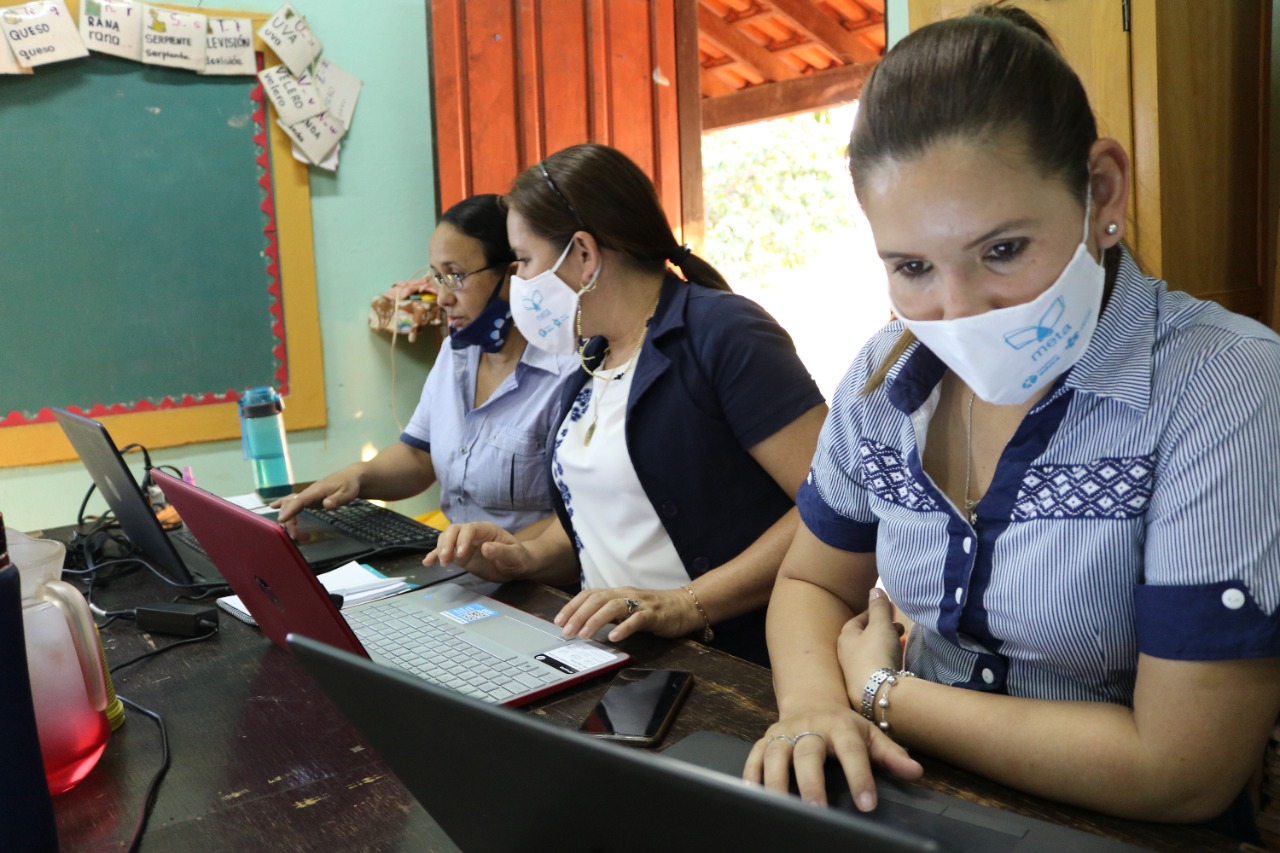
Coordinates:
[665,612]
[485,550]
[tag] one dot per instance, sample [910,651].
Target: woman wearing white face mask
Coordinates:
[1063,473]
[685,436]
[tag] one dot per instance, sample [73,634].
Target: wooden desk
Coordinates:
[261,759]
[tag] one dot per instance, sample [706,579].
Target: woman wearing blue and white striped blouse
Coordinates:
[1064,473]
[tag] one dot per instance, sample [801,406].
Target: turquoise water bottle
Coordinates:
[262,431]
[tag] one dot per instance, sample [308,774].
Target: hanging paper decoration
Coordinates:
[313,98]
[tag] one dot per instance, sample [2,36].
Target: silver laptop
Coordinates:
[445,633]
[326,537]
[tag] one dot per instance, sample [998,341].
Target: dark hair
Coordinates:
[985,76]
[990,76]
[483,218]
[598,189]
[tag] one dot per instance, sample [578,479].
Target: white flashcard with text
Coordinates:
[340,90]
[173,39]
[112,26]
[294,99]
[41,33]
[9,62]
[228,47]
[317,136]
[288,34]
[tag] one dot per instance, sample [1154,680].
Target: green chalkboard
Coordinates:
[136,266]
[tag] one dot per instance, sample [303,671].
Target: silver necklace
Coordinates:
[968,466]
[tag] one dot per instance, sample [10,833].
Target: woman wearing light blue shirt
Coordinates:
[482,424]
[1063,472]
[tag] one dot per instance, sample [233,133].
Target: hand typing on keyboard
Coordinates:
[339,488]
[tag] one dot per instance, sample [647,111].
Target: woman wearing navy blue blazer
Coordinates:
[682,440]
[1063,473]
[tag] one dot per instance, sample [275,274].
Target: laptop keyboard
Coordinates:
[431,648]
[379,526]
[188,539]
[383,527]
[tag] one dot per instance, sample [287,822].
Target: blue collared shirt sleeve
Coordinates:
[1212,551]
[418,432]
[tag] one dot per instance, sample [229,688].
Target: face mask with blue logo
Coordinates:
[1008,354]
[545,307]
[489,329]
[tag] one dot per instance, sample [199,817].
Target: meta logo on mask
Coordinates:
[1045,333]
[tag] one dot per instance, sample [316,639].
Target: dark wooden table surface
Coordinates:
[262,760]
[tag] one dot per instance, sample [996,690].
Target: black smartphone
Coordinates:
[639,706]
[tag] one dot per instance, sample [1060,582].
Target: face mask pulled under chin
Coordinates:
[543,308]
[1009,354]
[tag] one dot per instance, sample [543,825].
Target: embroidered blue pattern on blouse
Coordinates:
[1104,488]
[575,414]
[887,476]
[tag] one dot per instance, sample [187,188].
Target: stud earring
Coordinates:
[1112,228]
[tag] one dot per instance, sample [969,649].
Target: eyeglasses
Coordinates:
[452,281]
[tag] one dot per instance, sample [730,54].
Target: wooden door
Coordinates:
[1201,74]
[1185,90]
[515,80]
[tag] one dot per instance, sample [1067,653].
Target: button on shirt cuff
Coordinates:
[1219,621]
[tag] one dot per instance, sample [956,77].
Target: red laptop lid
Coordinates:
[262,565]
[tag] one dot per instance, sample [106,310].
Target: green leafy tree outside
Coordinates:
[775,191]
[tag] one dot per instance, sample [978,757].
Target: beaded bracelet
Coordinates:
[707,634]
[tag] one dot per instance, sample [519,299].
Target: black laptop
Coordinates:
[326,538]
[496,779]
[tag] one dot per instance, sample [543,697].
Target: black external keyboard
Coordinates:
[377,525]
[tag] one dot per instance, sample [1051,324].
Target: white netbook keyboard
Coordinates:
[432,648]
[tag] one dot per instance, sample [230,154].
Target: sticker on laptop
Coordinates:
[575,657]
[469,613]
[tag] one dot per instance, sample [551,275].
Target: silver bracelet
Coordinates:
[883,702]
[877,678]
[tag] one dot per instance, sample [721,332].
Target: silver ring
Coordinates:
[794,739]
[632,604]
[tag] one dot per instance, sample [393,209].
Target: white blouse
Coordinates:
[620,541]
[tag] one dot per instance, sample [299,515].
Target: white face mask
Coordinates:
[1008,354]
[543,308]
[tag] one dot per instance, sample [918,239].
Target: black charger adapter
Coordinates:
[177,618]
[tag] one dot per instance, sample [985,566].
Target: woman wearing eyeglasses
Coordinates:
[482,425]
[682,440]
